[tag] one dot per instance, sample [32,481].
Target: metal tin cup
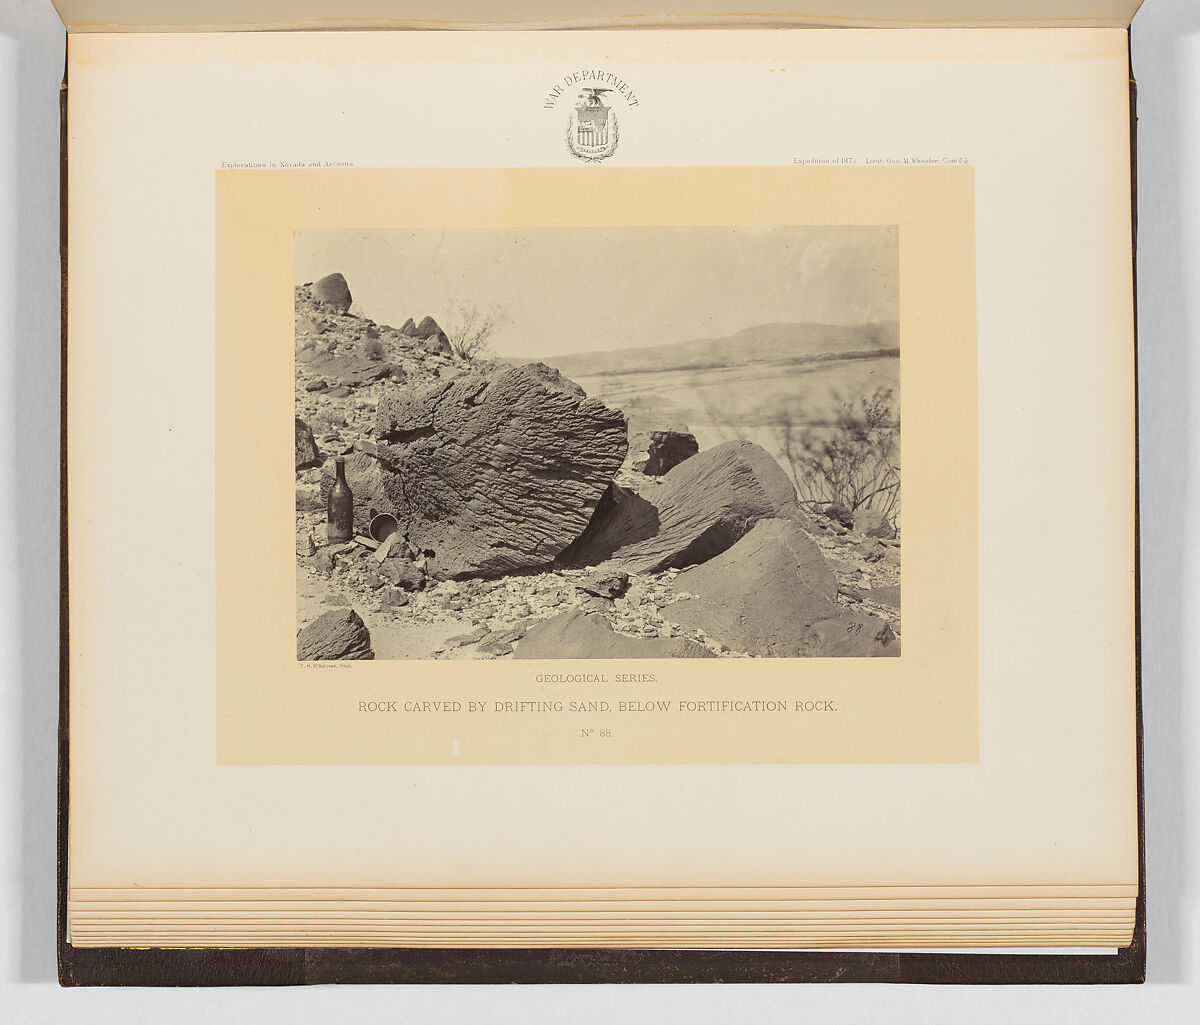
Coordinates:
[383,526]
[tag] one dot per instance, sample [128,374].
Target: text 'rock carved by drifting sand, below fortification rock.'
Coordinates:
[496,472]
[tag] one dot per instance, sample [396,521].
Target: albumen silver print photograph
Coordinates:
[637,442]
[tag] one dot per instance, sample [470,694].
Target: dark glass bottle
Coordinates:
[340,514]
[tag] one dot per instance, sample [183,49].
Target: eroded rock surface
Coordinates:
[702,507]
[498,471]
[338,634]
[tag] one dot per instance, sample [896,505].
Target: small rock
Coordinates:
[394,597]
[324,562]
[399,572]
[840,514]
[306,446]
[513,633]
[426,329]
[656,448]
[309,502]
[605,585]
[496,647]
[853,593]
[308,325]
[316,386]
[870,550]
[333,289]
[338,634]
[873,524]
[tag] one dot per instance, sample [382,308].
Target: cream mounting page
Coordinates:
[1042,787]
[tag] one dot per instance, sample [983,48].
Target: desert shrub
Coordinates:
[855,462]
[373,349]
[469,329]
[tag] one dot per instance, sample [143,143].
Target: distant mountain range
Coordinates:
[764,343]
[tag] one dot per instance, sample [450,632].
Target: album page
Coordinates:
[714,461]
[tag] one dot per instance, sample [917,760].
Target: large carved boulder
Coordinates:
[338,634]
[772,594]
[494,472]
[578,634]
[702,507]
[333,289]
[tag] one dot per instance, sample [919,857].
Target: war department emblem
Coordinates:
[592,132]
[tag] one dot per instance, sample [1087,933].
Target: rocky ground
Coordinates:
[347,364]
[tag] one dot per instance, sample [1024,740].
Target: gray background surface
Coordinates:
[1166,45]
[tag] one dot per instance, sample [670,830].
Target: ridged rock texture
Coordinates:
[333,289]
[702,507]
[336,635]
[306,446]
[496,472]
[772,594]
[578,634]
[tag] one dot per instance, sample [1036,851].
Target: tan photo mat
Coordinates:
[919,707]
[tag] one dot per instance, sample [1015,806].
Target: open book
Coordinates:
[712,519]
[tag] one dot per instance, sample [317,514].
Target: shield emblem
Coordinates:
[592,132]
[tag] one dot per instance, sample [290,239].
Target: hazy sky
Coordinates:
[579,289]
